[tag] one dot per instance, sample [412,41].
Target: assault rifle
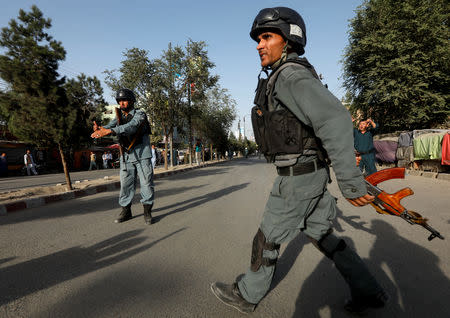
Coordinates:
[386,203]
[121,148]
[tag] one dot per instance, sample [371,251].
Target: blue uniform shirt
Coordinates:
[139,151]
[315,106]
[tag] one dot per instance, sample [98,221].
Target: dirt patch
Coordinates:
[29,193]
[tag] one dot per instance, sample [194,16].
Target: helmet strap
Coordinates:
[283,57]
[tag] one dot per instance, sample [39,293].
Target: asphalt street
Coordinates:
[22,182]
[69,259]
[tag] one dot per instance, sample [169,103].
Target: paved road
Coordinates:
[69,259]
[21,182]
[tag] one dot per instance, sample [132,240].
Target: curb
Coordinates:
[429,174]
[22,204]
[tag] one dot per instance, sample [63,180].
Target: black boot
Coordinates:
[148,214]
[125,215]
[231,296]
[360,305]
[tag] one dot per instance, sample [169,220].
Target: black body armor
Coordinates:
[128,142]
[279,131]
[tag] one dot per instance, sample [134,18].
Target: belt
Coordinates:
[299,169]
[365,152]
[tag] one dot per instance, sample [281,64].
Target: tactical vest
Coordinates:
[279,131]
[128,142]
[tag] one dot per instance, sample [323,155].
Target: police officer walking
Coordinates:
[299,125]
[133,129]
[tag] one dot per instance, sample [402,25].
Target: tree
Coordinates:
[397,63]
[197,75]
[135,73]
[167,94]
[217,114]
[35,101]
[85,94]
[170,88]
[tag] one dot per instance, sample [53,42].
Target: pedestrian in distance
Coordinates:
[105,160]
[110,159]
[299,125]
[132,128]
[93,161]
[198,152]
[363,137]
[29,163]
[3,165]
[153,157]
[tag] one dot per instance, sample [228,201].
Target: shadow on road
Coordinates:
[90,204]
[28,277]
[194,202]
[191,174]
[409,272]
[411,276]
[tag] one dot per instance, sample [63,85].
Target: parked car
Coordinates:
[181,156]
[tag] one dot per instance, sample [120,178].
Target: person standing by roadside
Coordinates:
[93,161]
[198,152]
[133,129]
[299,125]
[153,157]
[110,159]
[3,165]
[105,160]
[363,139]
[29,163]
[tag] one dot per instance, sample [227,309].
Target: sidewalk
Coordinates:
[422,173]
[91,187]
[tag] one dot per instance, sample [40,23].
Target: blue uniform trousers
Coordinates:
[303,203]
[128,181]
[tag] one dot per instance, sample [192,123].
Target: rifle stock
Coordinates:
[388,203]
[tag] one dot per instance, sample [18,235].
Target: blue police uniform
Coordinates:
[302,202]
[137,161]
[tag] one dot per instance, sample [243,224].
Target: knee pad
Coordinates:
[259,245]
[330,244]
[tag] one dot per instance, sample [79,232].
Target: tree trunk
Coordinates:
[203,154]
[165,153]
[171,148]
[66,171]
[211,151]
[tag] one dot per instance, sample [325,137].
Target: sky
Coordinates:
[96,33]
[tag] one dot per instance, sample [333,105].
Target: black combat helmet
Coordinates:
[125,94]
[284,20]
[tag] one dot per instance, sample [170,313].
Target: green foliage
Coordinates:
[397,63]
[239,145]
[172,88]
[217,114]
[85,95]
[135,73]
[167,90]
[35,103]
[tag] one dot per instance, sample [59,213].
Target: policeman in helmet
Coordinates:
[132,128]
[300,126]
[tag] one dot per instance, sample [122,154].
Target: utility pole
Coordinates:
[239,129]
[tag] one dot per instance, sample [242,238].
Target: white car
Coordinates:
[181,155]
